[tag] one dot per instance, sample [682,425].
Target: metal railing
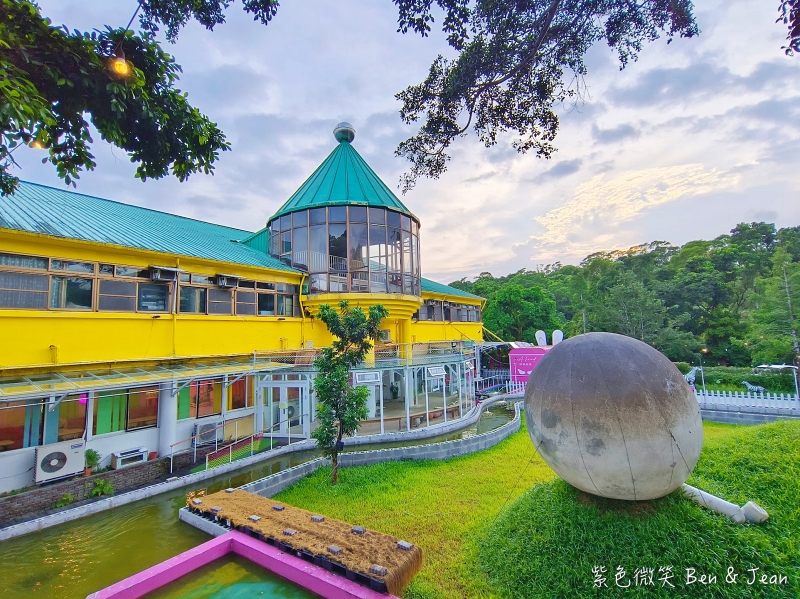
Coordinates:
[395,355]
[233,451]
[230,431]
[490,383]
[773,403]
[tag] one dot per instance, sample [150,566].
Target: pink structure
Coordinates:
[309,576]
[523,360]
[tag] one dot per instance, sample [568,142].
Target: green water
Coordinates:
[231,577]
[77,558]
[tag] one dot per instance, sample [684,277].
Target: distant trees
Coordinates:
[737,296]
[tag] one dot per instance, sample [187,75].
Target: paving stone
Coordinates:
[334,549]
[405,545]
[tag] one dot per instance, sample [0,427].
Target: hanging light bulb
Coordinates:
[119,65]
[36,145]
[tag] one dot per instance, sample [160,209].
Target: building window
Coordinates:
[142,408]
[116,411]
[72,417]
[133,271]
[240,394]
[193,300]
[219,301]
[110,412]
[21,425]
[266,304]
[71,293]
[15,260]
[153,297]
[69,266]
[200,398]
[116,296]
[21,290]
[246,303]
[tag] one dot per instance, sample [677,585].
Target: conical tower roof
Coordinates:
[343,178]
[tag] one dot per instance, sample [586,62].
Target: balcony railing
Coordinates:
[398,355]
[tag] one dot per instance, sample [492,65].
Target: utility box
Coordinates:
[121,459]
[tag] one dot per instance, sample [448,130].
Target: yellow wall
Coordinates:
[49,337]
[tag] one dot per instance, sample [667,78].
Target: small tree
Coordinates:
[340,406]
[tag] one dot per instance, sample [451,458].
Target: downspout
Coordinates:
[175,291]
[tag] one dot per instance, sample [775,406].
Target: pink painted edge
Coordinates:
[309,576]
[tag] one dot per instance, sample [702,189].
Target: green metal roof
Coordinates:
[343,178]
[60,213]
[434,287]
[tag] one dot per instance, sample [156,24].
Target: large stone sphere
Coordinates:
[613,417]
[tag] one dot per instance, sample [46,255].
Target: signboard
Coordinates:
[523,360]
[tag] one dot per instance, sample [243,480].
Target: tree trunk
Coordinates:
[335,457]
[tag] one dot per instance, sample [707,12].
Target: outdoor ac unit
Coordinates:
[128,458]
[58,460]
[164,273]
[227,281]
[385,336]
[205,433]
[364,378]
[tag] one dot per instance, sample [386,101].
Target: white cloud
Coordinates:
[603,203]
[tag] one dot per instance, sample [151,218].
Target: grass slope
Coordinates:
[444,507]
[547,543]
[437,505]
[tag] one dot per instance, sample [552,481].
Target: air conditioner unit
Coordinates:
[227,281]
[436,371]
[385,336]
[164,273]
[58,460]
[129,457]
[206,433]
[365,378]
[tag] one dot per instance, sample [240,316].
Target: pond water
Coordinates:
[77,558]
[231,577]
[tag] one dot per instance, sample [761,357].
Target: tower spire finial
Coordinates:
[344,132]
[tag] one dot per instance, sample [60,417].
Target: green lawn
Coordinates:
[473,515]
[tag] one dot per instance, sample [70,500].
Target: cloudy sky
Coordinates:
[684,144]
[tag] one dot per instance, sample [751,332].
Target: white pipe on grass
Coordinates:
[712,502]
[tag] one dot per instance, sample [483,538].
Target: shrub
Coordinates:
[101,487]
[65,500]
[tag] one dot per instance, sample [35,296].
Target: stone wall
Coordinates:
[35,502]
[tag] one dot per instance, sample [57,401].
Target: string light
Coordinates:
[118,64]
[37,145]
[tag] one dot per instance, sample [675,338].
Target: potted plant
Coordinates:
[91,460]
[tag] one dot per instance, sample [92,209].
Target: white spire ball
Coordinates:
[344,132]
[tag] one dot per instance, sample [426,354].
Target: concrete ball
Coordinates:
[613,417]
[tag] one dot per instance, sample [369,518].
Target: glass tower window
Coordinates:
[352,249]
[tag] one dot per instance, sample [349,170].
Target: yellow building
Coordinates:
[131,329]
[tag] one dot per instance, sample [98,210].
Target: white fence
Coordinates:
[773,403]
[515,388]
[767,403]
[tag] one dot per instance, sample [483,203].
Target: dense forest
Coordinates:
[735,298]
